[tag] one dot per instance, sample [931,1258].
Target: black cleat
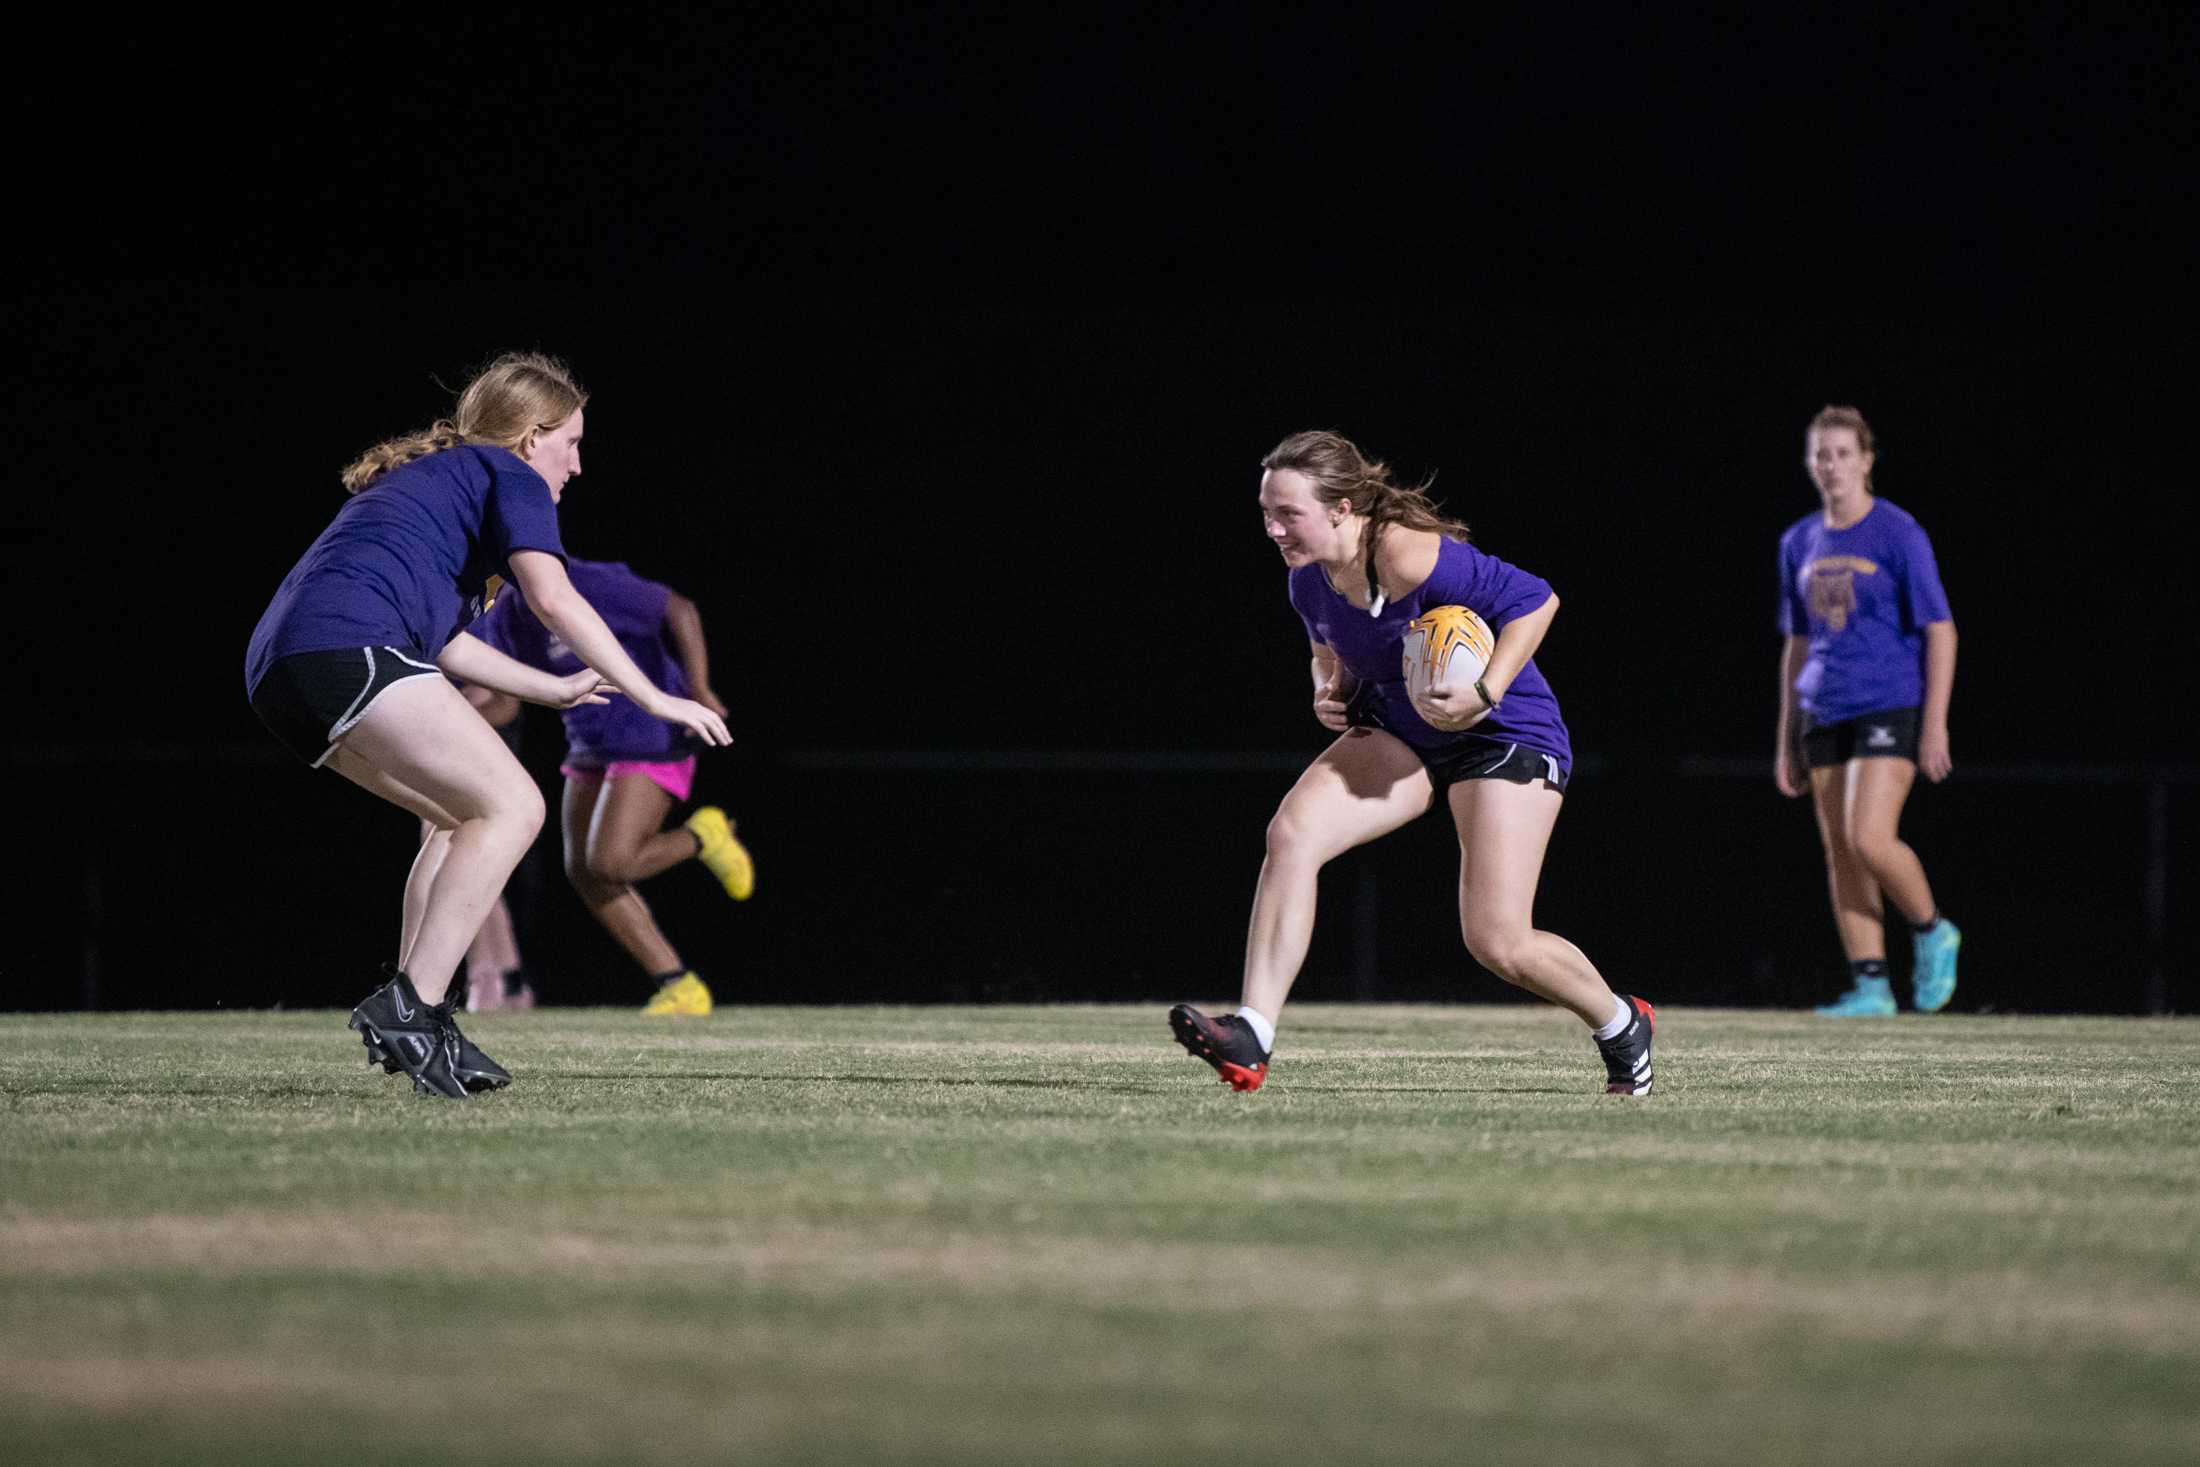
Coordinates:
[1627,1053]
[1226,1042]
[403,1033]
[475,1070]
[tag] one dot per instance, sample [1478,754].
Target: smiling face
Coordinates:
[1297,523]
[1838,464]
[555,454]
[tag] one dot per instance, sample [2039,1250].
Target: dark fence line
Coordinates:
[2155,780]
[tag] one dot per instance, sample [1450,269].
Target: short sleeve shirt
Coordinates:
[1372,648]
[407,559]
[634,609]
[1863,596]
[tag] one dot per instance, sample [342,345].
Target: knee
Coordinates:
[1290,842]
[609,868]
[1501,949]
[592,885]
[1876,849]
[577,873]
[526,809]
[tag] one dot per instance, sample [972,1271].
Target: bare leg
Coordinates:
[422,747]
[1504,829]
[495,952]
[627,841]
[1364,785]
[1877,790]
[614,815]
[1857,914]
[435,844]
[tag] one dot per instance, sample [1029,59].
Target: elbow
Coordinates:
[555,612]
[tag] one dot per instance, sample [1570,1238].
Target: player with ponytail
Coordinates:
[341,669]
[1367,556]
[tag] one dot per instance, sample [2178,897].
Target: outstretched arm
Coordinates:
[550,595]
[479,665]
[684,624]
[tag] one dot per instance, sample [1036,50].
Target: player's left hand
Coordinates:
[1451,709]
[585,686]
[1933,759]
[709,698]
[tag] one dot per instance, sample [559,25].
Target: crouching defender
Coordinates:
[344,668]
[1366,557]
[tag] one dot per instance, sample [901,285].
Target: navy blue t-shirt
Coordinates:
[405,563]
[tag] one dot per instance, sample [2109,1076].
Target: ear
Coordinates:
[526,449]
[1339,510]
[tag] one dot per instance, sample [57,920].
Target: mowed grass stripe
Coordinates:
[1012,1234]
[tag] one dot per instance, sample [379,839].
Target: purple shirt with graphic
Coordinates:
[634,609]
[1864,596]
[1372,648]
[406,560]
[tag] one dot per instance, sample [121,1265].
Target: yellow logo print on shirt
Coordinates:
[1829,587]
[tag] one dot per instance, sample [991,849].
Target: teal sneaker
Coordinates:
[1871,998]
[1933,980]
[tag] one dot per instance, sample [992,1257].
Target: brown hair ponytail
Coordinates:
[1342,474]
[515,397]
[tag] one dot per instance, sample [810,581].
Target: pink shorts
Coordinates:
[675,778]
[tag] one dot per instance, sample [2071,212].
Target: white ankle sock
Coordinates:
[1259,1023]
[1619,1019]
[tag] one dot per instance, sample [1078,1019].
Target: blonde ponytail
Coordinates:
[515,397]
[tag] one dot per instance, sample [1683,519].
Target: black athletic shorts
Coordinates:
[1473,757]
[309,700]
[1889,735]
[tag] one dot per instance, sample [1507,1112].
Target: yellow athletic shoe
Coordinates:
[726,857]
[683,995]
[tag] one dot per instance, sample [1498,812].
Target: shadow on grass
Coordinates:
[1437,1090]
[1005,1082]
[1019,1083]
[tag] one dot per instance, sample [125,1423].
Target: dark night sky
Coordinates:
[934,355]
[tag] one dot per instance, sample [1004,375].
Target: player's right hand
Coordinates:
[1786,773]
[696,719]
[1329,709]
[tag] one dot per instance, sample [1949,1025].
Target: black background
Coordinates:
[934,356]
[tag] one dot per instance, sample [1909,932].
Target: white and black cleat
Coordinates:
[1627,1053]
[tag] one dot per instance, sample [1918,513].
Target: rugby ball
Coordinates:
[1446,646]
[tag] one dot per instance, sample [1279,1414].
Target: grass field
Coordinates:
[1045,1235]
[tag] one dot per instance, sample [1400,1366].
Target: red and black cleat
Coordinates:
[1227,1043]
[1627,1053]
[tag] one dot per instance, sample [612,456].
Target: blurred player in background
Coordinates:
[1366,557]
[344,666]
[1866,675]
[625,770]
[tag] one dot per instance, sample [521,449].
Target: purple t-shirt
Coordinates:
[634,609]
[1372,648]
[1864,596]
[406,560]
